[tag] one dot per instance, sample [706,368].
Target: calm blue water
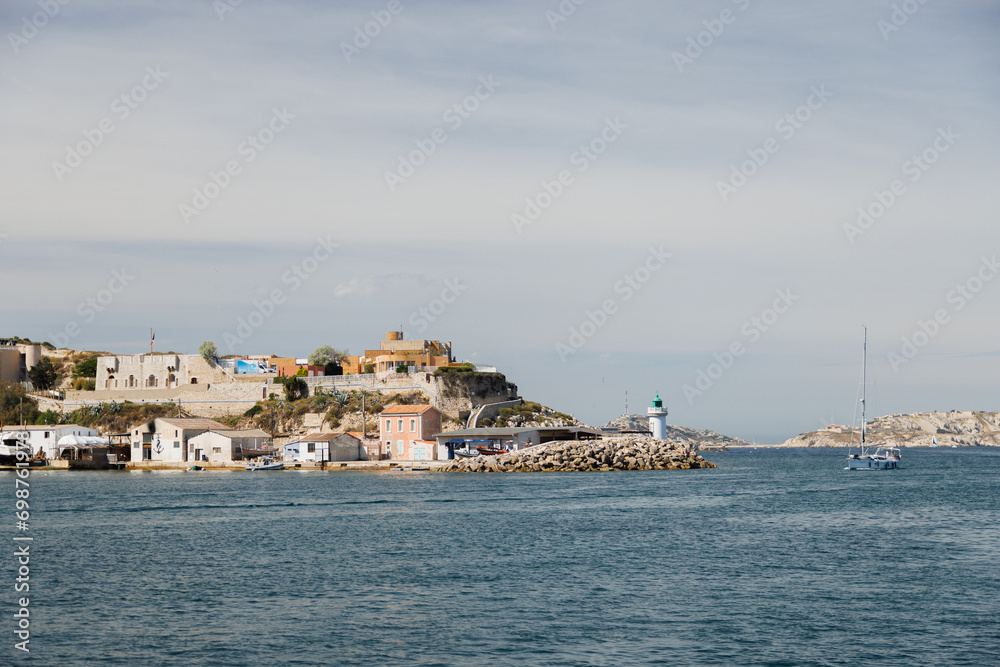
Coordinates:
[779,557]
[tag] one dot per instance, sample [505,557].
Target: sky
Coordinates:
[705,200]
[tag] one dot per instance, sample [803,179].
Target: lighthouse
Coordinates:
[657,418]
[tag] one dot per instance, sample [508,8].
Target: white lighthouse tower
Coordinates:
[657,418]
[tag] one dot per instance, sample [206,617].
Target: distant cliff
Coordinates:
[689,437]
[961,428]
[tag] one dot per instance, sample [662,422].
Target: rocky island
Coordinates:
[614,453]
[919,429]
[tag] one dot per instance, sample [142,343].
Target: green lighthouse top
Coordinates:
[657,403]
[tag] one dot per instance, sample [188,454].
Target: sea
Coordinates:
[777,557]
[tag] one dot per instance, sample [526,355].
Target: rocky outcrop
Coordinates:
[690,437]
[620,453]
[918,429]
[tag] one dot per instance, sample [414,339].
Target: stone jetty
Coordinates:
[618,453]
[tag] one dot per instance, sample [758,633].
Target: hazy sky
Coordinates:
[688,173]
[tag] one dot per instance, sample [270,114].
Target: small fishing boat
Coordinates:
[196,468]
[884,457]
[490,451]
[267,464]
[467,453]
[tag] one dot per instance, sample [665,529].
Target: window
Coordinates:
[177,444]
[400,425]
[47,434]
[399,447]
[312,447]
[388,426]
[413,426]
[216,450]
[194,380]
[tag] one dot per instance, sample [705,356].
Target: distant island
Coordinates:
[918,429]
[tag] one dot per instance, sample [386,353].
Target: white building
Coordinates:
[325,447]
[46,438]
[225,446]
[166,439]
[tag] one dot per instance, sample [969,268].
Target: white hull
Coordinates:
[872,463]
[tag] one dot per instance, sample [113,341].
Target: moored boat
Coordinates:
[885,457]
[267,464]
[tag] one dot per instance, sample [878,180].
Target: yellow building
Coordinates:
[395,351]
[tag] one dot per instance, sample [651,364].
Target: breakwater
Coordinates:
[621,453]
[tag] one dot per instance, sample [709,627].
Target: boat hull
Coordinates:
[268,466]
[870,463]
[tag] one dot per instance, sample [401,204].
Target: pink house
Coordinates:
[407,431]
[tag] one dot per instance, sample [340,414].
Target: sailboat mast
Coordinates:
[864,388]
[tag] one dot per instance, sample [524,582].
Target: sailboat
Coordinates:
[883,457]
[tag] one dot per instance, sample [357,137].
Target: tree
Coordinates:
[295,387]
[43,375]
[16,406]
[86,368]
[208,351]
[49,417]
[324,354]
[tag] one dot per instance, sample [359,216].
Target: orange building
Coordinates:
[394,351]
[407,431]
[289,366]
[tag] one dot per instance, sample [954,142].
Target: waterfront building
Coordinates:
[318,447]
[43,438]
[166,439]
[406,432]
[227,445]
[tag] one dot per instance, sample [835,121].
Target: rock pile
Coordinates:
[621,453]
